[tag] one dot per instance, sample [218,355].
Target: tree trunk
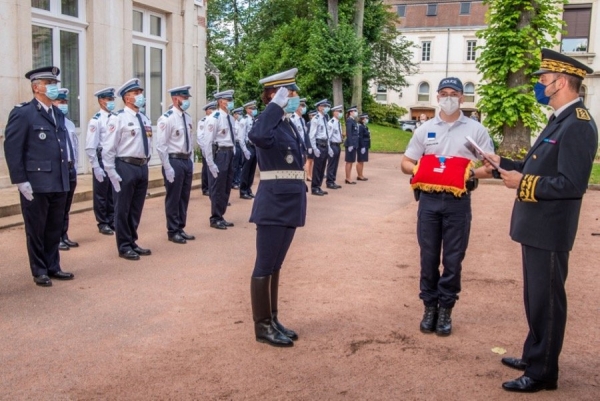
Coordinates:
[338,93]
[517,138]
[359,17]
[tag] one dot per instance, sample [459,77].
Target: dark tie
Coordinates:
[231,133]
[144,137]
[187,140]
[51,114]
[326,133]
[552,117]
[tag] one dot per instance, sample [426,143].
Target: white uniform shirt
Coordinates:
[95,135]
[170,134]
[74,141]
[244,126]
[217,131]
[299,123]
[438,137]
[335,130]
[318,130]
[124,137]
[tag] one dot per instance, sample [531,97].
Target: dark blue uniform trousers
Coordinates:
[129,203]
[544,277]
[272,244]
[44,219]
[332,163]
[443,227]
[248,171]
[319,167]
[104,208]
[220,187]
[69,201]
[238,161]
[177,198]
[204,175]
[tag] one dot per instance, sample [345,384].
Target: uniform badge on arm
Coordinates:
[582,114]
[527,188]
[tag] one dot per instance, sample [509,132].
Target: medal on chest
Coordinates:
[289,158]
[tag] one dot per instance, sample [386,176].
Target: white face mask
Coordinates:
[449,105]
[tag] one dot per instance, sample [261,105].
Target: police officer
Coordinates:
[219,144]
[319,140]
[550,183]
[280,203]
[351,143]
[126,150]
[62,102]
[364,143]
[249,166]
[298,120]
[310,155]
[444,216]
[103,192]
[208,109]
[174,147]
[335,142]
[238,157]
[36,149]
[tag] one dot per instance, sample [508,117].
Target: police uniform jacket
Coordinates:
[36,148]
[318,130]
[70,126]
[95,135]
[555,171]
[217,130]
[280,202]
[172,128]
[124,137]
[244,126]
[351,133]
[300,125]
[334,128]
[364,137]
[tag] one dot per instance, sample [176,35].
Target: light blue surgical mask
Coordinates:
[230,105]
[326,110]
[64,108]
[292,104]
[110,105]
[185,105]
[303,110]
[254,113]
[51,91]
[140,101]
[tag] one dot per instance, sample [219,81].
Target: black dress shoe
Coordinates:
[245,196]
[70,244]
[333,186]
[62,246]
[362,179]
[177,238]
[429,319]
[129,255]
[142,251]
[350,182]
[205,193]
[444,322]
[235,186]
[62,275]
[227,223]
[308,179]
[187,236]
[106,230]
[514,363]
[218,225]
[250,194]
[42,281]
[526,384]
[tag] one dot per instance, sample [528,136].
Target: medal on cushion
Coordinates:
[289,158]
[442,166]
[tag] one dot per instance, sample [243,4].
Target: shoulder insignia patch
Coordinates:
[120,111]
[21,104]
[97,116]
[582,114]
[168,113]
[216,115]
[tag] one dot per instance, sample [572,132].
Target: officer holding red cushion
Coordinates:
[438,157]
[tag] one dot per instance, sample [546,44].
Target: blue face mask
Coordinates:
[51,91]
[540,92]
[64,108]
[326,110]
[230,105]
[139,101]
[110,105]
[185,105]
[292,104]
[303,110]
[254,113]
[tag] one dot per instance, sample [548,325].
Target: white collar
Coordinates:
[561,109]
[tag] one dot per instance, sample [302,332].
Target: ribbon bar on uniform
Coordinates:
[282,175]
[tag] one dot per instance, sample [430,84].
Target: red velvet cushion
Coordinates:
[441,173]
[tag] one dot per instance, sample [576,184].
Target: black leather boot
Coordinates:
[444,322]
[265,330]
[274,293]
[429,319]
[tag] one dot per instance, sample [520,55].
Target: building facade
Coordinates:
[101,43]
[444,32]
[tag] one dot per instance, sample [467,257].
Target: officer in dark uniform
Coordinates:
[351,143]
[126,150]
[364,143]
[249,166]
[238,158]
[319,140]
[36,148]
[174,147]
[550,182]
[310,155]
[208,109]
[280,203]
[104,208]
[334,128]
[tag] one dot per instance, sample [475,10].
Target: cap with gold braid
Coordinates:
[555,62]
[286,79]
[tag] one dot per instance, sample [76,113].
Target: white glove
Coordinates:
[281,97]
[214,170]
[310,151]
[26,190]
[115,179]
[330,152]
[317,152]
[247,154]
[99,174]
[362,151]
[170,174]
[350,148]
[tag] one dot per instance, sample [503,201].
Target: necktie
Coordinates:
[71,155]
[231,132]
[187,140]
[51,114]
[144,137]
[340,128]
[325,124]
[552,117]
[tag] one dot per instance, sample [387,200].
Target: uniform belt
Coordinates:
[138,161]
[282,175]
[321,142]
[182,156]
[223,147]
[336,143]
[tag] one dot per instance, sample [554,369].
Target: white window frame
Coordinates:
[474,55]
[398,10]
[381,95]
[469,98]
[423,42]
[55,15]
[146,26]
[419,93]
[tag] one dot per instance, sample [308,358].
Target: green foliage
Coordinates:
[383,113]
[513,44]
[387,139]
[595,177]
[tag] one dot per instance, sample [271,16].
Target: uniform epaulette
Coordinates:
[21,104]
[582,114]
[121,111]
[97,116]
[168,113]
[216,115]
[203,119]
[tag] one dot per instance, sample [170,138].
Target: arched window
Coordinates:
[423,92]
[583,93]
[469,92]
